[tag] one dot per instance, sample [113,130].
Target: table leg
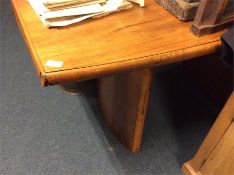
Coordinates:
[123,100]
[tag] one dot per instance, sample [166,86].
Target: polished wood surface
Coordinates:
[123,100]
[216,154]
[138,38]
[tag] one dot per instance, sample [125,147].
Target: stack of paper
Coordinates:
[54,13]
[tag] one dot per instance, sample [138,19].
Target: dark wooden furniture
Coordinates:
[183,9]
[119,51]
[213,16]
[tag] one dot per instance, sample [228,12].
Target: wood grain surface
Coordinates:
[134,39]
[123,100]
[216,154]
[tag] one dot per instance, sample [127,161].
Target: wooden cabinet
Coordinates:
[216,154]
[221,159]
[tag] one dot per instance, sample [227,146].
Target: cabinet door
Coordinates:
[221,159]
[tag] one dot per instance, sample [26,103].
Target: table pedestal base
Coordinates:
[123,100]
[73,88]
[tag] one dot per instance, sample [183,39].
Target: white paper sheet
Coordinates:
[52,63]
[140,2]
[69,22]
[41,10]
[112,5]
[57,1]
[86,12]
[89,9]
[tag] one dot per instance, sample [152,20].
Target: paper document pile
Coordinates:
[55,13]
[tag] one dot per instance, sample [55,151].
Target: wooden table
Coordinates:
[119,50]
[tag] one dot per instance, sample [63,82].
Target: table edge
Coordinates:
[97,71]
[36,61]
